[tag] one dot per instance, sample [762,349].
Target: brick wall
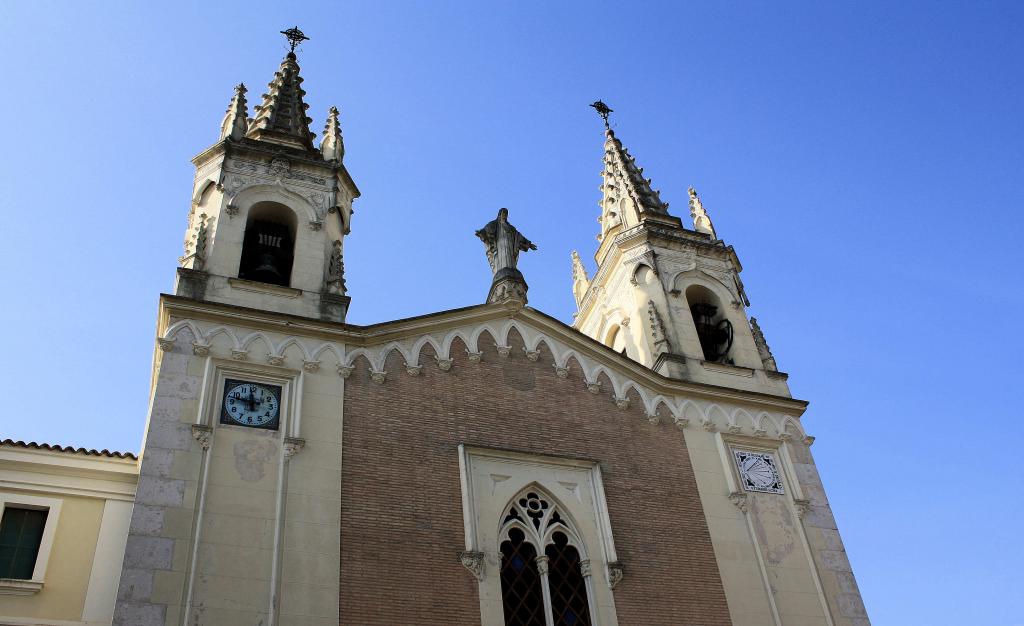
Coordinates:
[401,517]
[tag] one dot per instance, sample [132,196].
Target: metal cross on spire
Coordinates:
[603,110]
[294,36]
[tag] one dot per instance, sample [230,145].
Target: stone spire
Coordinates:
[701,219]
[627,197]
[580,281]
[236,120]
[281,117]
[331,145]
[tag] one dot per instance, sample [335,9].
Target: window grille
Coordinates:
[521,594]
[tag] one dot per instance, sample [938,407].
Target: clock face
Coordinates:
[758,471]
[256,405]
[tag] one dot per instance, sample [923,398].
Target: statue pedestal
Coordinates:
[333,307]
[191,283]
[507,287]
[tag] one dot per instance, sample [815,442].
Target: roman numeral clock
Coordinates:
[254,405]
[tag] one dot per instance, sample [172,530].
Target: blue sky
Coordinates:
[864,158]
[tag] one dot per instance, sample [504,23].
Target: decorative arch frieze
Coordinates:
[679,410]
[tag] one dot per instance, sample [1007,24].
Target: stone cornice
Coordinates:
[355,338]
[225,148]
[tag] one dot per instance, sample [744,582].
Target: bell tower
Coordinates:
[664,294]
[270,210]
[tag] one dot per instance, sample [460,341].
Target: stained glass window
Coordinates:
[21,531]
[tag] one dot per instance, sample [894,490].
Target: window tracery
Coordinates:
[545,575]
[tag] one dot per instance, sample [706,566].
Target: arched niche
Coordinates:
[618,338]
[643,274]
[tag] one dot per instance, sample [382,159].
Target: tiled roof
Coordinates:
[46,446]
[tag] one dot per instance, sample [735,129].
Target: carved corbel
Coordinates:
[474,357]
[594,387]
[474,562]
[561,372]
[503,350]
[654,418]
[275,359]
[808,441]
[240,355]
[164,343]
[681,422]
[315,225]
[739,499]
[735,429]
[708,425]
[413,370]
[443,364]
[345,370]
[615,573]
[203,434]
[543,561]
[801,506]
[533,355]
[311,366]
[231,210]
[622,403]
[200,349]
[760,432]
[292,446]
[787,437]
[378,377]
[585,568]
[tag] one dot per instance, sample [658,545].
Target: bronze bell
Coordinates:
[715,339]
[267,253]
[267,271]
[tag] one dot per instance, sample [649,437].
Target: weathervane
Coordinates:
[603,110]
[295,36]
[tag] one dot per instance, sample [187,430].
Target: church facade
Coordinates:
[485,465]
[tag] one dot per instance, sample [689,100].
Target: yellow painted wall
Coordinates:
[67,575]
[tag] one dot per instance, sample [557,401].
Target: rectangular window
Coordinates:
[21,532]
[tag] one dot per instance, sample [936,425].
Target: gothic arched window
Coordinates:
[544,570]
[268,247]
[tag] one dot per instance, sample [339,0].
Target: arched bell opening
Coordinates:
[618,339]
[268,248]
[714,330]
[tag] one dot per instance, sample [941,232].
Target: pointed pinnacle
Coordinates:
[332,146]
[235,122]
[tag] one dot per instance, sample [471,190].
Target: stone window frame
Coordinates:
[591,524]
[728,443]
[219,370]
[52,506]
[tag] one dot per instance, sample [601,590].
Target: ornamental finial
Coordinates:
[603,110]
[294,36]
